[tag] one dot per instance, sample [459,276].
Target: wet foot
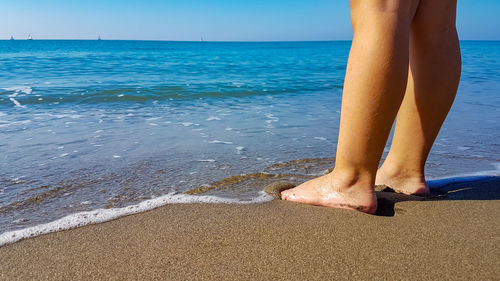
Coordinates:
[411,185]
[329,191]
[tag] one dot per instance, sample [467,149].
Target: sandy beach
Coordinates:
[454,236]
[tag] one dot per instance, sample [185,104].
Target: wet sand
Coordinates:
[454,236]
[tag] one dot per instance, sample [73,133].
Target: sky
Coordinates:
[212,20]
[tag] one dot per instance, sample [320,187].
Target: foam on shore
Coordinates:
[437,183]
[103,215]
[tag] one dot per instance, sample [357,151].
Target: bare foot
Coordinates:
[329,191]
[401,183]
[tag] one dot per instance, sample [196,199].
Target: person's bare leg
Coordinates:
[432,86]
[375,82]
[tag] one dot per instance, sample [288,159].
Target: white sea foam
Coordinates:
[60,116]
[221,142]
[103,215]
[466,177]
[271,118]
[20,89]
[15,123]
[239,149]
[211,118]
[16,103]
[206,160]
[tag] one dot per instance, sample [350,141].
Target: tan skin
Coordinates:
[404,61]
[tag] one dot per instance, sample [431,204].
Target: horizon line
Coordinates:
[167,40]
[204,41]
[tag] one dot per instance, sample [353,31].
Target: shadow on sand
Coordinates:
[460,188]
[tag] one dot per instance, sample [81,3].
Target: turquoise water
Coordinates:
[103,124]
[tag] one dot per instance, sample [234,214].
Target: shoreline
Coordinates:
[451,237]
[270,191]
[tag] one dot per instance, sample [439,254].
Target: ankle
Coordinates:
[403,180]
[352,179]
[392,171]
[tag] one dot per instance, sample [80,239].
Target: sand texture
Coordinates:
[455,236]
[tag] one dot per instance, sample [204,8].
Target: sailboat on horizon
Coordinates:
[11,37]
[99,38]
[30,37]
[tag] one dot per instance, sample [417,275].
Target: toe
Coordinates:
[285,195]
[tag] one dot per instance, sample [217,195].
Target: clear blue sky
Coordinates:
[231,20]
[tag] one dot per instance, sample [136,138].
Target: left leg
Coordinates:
[432,85]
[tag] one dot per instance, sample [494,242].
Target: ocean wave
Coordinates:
[24,96]
[104,215]
[193,196]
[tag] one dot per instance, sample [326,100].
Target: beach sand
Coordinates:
[455,237]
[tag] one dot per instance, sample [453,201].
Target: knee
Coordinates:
[435,18]
[384,13]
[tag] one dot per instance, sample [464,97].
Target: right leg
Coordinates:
[431,89]
[374,86]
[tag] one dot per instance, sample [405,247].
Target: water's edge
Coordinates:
[104,215]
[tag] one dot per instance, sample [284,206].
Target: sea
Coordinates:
[94,130]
